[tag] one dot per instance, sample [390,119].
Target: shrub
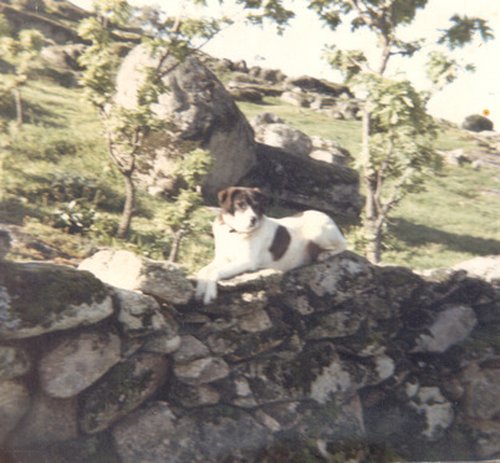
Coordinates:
[74,217]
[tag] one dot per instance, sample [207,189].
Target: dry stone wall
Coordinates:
[336,361]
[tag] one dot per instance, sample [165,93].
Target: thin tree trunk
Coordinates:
[176,246]
[372,232]
[19,107]
[128,207]
[374,235]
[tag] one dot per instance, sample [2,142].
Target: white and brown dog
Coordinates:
[246,240]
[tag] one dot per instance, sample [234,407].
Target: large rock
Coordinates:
[312,84]
[49,420]
[283,136]
[14,403]
[200,436]
[127,270]
[301,183]
[37,298]
[121,390]
[77,362]
[201,110]
[477,123]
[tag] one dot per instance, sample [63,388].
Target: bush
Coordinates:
[74,218]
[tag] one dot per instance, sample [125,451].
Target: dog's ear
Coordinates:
[260,199]
[222,196]
[225,197]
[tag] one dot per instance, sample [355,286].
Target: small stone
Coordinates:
[452,325]
[190,349]
[14,362]
[162,344]
[482,392]
[201,371]
[438,412]
[255,321]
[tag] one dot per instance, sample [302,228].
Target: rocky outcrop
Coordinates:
[201,111]
[47,22]
[340,360]
[301,183]
[272,130]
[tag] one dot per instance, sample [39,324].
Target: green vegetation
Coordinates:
[397,132]
[451,221]
[60,156]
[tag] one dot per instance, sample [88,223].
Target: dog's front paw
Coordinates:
[210,292]
[201,286]
[206,291]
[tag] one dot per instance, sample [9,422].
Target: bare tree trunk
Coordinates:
[19,107]
[176,245]
[372,230]
[128,207]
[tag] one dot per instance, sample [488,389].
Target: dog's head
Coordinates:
[242,208]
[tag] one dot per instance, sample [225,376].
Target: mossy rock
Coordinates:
[126,386]
[37,298]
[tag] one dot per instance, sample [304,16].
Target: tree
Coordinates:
[191,169]
[167,37]
[397,132]
[126,129]
[21,53]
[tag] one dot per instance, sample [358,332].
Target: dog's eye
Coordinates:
[241,205]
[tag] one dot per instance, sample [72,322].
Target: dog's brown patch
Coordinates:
[313,251]
[280,243]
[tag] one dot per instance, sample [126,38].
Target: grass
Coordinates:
[60,155]
[455,219]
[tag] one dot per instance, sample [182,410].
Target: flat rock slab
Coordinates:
[127,270]
[77,362]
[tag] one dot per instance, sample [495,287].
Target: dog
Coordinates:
[247,240]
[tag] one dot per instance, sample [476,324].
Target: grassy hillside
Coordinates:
[60,156]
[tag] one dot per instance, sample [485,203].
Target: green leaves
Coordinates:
[273,10]
[350,62]
[463,31]
[191,169]
[194,166]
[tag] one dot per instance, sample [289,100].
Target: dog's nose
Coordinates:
[253,221]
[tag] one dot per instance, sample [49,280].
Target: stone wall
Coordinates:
[337,361]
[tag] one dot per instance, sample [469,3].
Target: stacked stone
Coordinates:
[336,361]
